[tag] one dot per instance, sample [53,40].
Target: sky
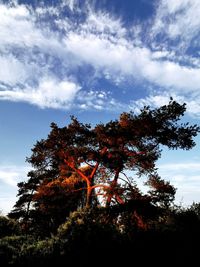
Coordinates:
[95,60]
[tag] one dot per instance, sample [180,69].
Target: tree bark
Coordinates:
[112,186]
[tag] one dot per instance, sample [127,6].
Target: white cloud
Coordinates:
[178,18]
[194,166]
[12,70]
[120,57]
[49,94]
[26,72]
[185,178]
[104,23]
[39,62]
[152,100]
[99,100]
[170,74]
[7,203]
[17,26]
[11,175]
[19,29]
[162,97]
[70,4]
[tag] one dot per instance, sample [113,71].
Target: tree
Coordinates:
[78,165]
[46,199]
[161,192]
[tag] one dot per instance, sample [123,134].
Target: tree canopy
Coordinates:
[83,166]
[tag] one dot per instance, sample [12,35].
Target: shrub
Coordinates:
[8,227]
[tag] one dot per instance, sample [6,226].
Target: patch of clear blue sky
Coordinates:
[128,10]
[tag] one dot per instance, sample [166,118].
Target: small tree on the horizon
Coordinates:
[77,165]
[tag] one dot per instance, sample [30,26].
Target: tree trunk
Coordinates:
[112,186]
[89,197]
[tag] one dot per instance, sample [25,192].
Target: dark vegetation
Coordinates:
[81,205]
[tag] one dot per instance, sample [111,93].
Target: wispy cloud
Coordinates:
[189,166]
[179,20]
[162,97]
[185,178]
[99,100]
[11,175]
[6,203]
[48,94]
[45,55]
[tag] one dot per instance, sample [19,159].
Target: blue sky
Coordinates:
[95,59]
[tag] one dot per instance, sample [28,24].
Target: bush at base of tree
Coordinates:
[90,238]
[8,227]
[11,248]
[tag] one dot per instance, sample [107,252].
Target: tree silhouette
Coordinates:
[78,165]
[161,192]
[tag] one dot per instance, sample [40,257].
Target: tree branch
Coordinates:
[71,165]
[94,171]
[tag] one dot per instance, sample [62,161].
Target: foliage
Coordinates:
[161,192]
[195,208]
[86,232]
[79,166]
[8,227]
[97,236]
[11,247]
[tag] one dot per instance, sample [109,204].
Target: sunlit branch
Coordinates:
[71,165]
[94,170]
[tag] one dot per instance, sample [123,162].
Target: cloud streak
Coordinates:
[49,94]
[44,54]
[11,175]
[178,20]
[184,177]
